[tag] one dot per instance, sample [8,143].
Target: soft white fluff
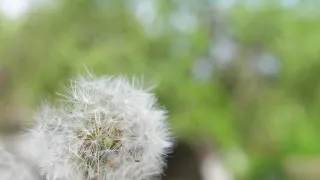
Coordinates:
[13,168]
[105,128]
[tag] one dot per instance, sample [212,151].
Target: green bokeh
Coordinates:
[269,120]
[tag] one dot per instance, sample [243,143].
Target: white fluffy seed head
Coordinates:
[106,128]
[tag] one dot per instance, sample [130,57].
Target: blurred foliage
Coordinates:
[269,120]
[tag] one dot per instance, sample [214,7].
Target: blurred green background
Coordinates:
[243,74]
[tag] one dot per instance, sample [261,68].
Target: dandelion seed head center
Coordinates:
[102,142]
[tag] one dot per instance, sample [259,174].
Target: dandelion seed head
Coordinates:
[104,128]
